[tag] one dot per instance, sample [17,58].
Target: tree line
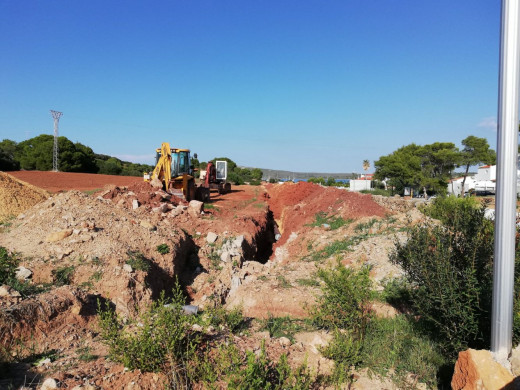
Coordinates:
[430,167]
[36,154]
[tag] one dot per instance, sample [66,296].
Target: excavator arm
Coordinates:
[163,167]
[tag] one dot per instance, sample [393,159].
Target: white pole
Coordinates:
[507,141]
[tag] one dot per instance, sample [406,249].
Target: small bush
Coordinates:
[159,339]
[334,222]
[397,346]
[345,300]
[63,275]
[163,249]
[281,326]
[137,261]
[233,319]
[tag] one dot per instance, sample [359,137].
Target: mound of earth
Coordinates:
[110,250]
[141,194]
[17,196]
[295,205]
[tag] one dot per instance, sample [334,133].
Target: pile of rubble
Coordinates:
[17,196]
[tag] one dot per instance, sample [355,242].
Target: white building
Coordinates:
[364,182]
[483,182]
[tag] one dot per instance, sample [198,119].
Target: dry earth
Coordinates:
[227,251]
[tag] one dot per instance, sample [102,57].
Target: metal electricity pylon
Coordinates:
[56,116]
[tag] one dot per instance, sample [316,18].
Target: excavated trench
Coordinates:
[261,247]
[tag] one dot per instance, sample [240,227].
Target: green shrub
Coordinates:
[63,275]
[345,300]
[377,191]
[281,326]
[159,339]
[163,249]
[331,220]
[449,268]
[233,319]
[137,261]
[448,208]
[395,346]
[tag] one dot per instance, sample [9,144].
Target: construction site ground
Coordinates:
[258,248]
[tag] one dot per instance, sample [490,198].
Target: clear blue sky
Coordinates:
[298,85]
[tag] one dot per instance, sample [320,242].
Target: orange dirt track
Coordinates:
[64,181]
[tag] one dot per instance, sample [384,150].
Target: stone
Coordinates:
[515,360]
[49,384]
[23,274]
[161,209]
[156,183]
[57,236]
[128,268]
[196,328]
[238,242]
[284,342]
[135,204]
[5,290]
[263,335]
[195,207]
[476,370]
[148,225]
[211,237]
[225,257]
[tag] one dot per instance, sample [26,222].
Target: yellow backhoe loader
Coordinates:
[173,168]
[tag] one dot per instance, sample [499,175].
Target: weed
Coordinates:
[361,227]
[163,249]
[160,338]
[63,275]
[85,355]
[308,282]
[86,286]
[137,261]
[259,205]
[282,282]
[215,260]
[97,261]
[262,278]
[334,222]
[91,192]
[96,276]
[233,319]
[396,347]
[282,326]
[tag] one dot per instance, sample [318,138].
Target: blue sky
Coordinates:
[297,85]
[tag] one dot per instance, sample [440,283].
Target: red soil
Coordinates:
[64,181]
[295,205]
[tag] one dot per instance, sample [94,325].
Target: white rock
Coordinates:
[127,268]
[49,384]
[211,237]
[23,273]
[238,241]
[284,341]
[4,290]
[225,257]
[135,204]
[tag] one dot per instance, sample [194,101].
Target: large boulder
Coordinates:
[477,370]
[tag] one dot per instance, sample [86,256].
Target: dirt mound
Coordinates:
[296,205]
[143,193]
[110,250]
[17,196]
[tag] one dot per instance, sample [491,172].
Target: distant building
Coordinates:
[484,182]
[364,182]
